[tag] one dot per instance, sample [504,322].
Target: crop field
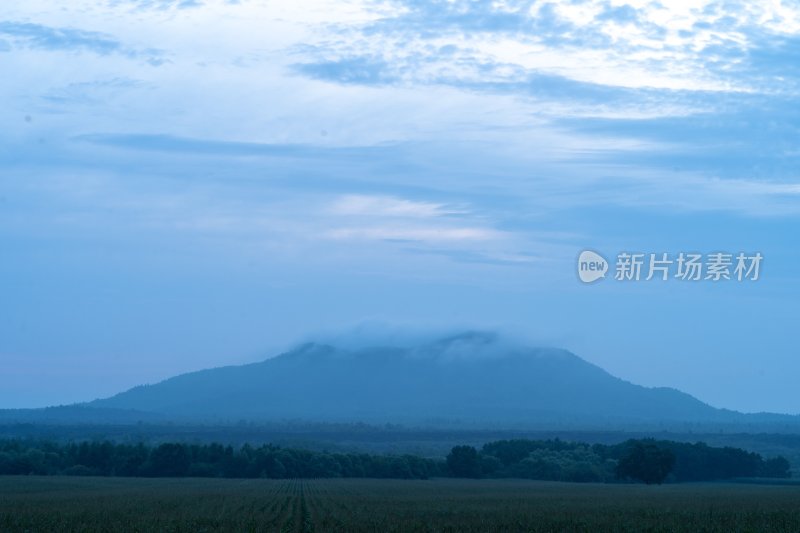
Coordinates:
[55,504]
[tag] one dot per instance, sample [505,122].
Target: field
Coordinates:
[114,504]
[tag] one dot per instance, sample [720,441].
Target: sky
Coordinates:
[197,183]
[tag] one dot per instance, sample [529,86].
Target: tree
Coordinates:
[646,462]
[170,460]
[776,467]
[463,461]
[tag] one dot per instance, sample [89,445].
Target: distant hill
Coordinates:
[474,378]
[80,414]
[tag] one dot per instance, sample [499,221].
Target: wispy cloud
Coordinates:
[407,232]
[215,147]
[90,93]
[162,4]
[359,70]
[388,206]
[31,35]
[38,36]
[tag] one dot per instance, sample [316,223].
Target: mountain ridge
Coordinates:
[471,379]
[472,376]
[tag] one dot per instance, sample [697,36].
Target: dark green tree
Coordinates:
[775,467]
[169,460]
[463,461]
[646,462]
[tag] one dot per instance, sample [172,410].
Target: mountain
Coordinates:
[79,414]
[472,378]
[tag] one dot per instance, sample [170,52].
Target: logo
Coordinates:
[684,266]
[591,266]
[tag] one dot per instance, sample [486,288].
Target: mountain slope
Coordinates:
[470,378]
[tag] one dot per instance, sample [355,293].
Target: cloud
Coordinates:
[213,147]
[747,137]
[37,36]
[620,13]
[668,164]
[388,206]
[90,93]
[400,220]
[637,44]
[378,333]
[500,258]
[434,103]
[409,233]
[161,4]
[362,70]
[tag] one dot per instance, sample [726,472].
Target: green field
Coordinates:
[55,504]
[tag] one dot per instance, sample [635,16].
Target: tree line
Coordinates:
[202,460]
[643,460]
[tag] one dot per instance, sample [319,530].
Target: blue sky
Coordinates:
[186,184]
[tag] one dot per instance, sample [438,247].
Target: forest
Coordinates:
[644,460]
[636,460]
